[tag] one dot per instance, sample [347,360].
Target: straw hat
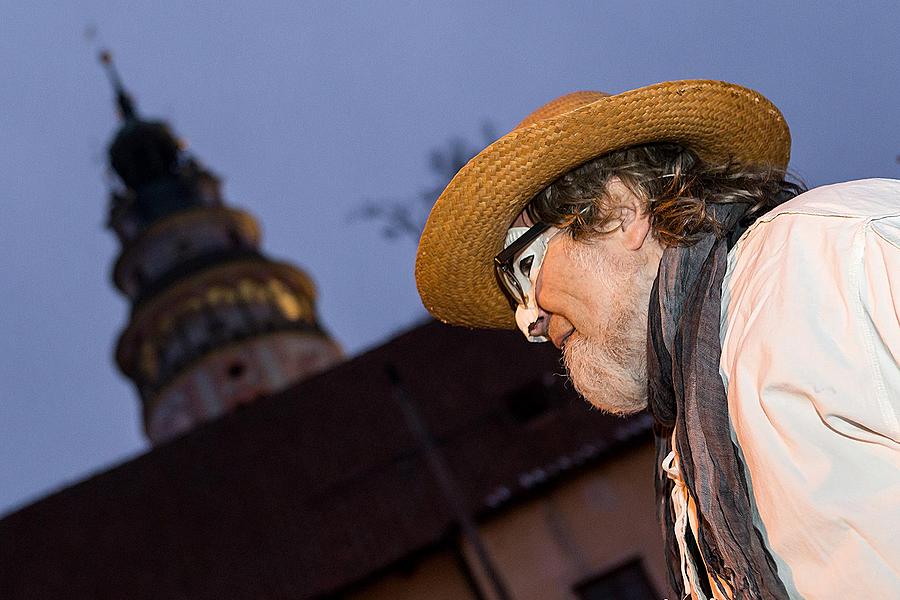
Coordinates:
[467,226]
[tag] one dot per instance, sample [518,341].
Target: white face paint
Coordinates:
[526,267]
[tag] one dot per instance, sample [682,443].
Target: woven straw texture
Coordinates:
[466,228]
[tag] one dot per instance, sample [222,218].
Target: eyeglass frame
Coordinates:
[504,264]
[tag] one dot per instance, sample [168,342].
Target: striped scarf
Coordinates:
[686,394]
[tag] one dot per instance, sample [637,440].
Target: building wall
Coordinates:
[547,546]
[436,577]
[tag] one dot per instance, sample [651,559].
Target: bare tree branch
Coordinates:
[405,217]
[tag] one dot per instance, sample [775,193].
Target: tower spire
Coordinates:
[123,99]
[148,158]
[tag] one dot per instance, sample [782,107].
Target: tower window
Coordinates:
[236,370]
[140,278]
[235,239]
[214,322]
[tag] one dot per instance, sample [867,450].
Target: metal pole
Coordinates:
[446,483]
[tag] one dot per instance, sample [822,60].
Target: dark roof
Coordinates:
[317,487]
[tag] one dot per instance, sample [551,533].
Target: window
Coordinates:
[140,278]
[625,582]
[236,370]
[234,238]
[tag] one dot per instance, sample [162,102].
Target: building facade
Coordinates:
[324,491]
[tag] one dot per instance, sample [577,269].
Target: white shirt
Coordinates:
[811,364]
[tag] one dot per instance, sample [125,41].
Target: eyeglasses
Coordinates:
[514,265]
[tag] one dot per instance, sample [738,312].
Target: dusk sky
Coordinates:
[309,110]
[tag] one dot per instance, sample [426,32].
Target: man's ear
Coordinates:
[636,229]
[635,224]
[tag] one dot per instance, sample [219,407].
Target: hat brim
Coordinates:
[466,228]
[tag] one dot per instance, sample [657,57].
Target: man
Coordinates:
[653,238]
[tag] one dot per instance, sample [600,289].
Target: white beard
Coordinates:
[609,368]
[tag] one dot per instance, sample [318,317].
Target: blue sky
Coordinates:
[307,110]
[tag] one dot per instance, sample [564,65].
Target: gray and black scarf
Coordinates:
[686,394]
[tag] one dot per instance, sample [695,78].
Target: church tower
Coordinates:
[214,322]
